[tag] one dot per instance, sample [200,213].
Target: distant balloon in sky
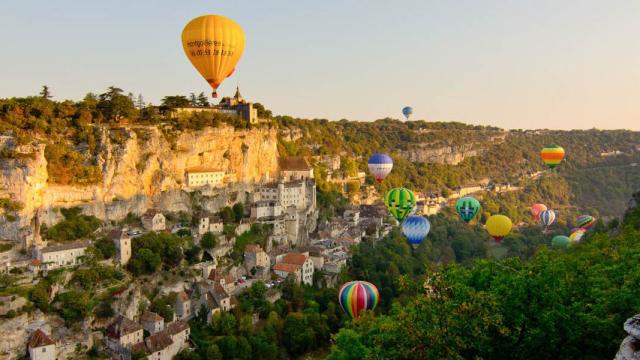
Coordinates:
[586,221]
[358,296]
[560,241]
[467,207]
[536,209]
[214,44]
[407,111]
[380,166]
[552,155]
[547,217]
[400,202]
[498,226]
[416,228]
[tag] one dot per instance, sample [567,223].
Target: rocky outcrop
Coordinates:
[144,170]
[630,347]
[451,155]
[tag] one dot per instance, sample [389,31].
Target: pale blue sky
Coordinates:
[513,64]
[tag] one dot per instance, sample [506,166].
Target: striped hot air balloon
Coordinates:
[416,228]
[586,221]
[547,217]
[552,155]
[467,207]
[358,296]
[577,234]
[401,203]
[380,166]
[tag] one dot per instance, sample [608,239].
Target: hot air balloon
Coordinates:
[416,228]
[577,234]
[214,45]
[586,221]
[380,166]
[498,226]
[560,241]
[407,111]
[547,217]
[536,209]
[552,155]
[358,296]
[467,207]
[401,203]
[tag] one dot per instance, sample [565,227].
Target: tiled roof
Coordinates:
[216,276]
[68,246]
[39,338]
[294,258]
[158,341]
[253,248]
[294,163]
[176,327]
[150,316]
[122,326]
[183,296]
[117,234]
[219,291]
[290,268]
[150,213]
[36,262]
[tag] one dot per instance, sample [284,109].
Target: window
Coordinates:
[44,349]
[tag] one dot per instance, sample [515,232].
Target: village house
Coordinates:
[225,281]
[255,256]
[152,322]
[298,264]
[41,346]
[123,243]
[164,344]
[199,176]
[62,255]
[210,223]
[265,208]
[294,168]
[154,220]
[123,333]
[182,306]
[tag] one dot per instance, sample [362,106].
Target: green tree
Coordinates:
[203,100]
[208,240]
[45,93]
[238,211]
[227,215]
[297,336]
[115,106]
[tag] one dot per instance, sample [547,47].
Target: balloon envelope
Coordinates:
[358,296]
[407,111]
[536,209]
[560,241]
[467,207]
[214,44]
[380,166]
[400,202]
[547,217]
[416,228]
[586,221]
[498,226]
[577,235]
[552,155]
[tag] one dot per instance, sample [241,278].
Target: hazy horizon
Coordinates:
[525,64]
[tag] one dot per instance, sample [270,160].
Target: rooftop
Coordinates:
[183,296]
[150,213]
[290,268]
[39,338]
[294,163]
[67,246]
[122,326]
[253,248]
[151,316]
[294,258]
[202,169]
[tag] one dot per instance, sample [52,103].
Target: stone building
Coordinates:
[199,176]
[152,322]
[255,256]
[41,346]
[210,223]
[298,264]
[123,243]
[123,333]
[244,109]
[62,255]
[154,220]
[295,168]
[165,344]
[182,306]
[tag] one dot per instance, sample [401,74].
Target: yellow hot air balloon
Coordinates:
[214,45]
[498,227]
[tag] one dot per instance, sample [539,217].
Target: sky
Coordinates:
[513,64]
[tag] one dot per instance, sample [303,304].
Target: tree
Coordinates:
[174,101]
[203,100]
[106,247]
[74,305]
[297,336]
[213,352]
[115,106]
[208,240]
[140,104]
[193,100]
[45,93]
[238,211]
[227,214]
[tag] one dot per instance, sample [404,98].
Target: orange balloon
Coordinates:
[214,44]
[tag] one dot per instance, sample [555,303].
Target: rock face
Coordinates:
[451,155]
[143,171]
[630,347]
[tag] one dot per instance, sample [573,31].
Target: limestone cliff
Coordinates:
[141,171]
[451,155]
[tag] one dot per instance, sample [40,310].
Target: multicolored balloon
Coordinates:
[586,221]
[498,227]
[401,203]
[552,155]
[358,296]
[380,166]
[560,241]
[577,234]
[416,228]
[467,207]
[536,209]
[407,111]
[547,217]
